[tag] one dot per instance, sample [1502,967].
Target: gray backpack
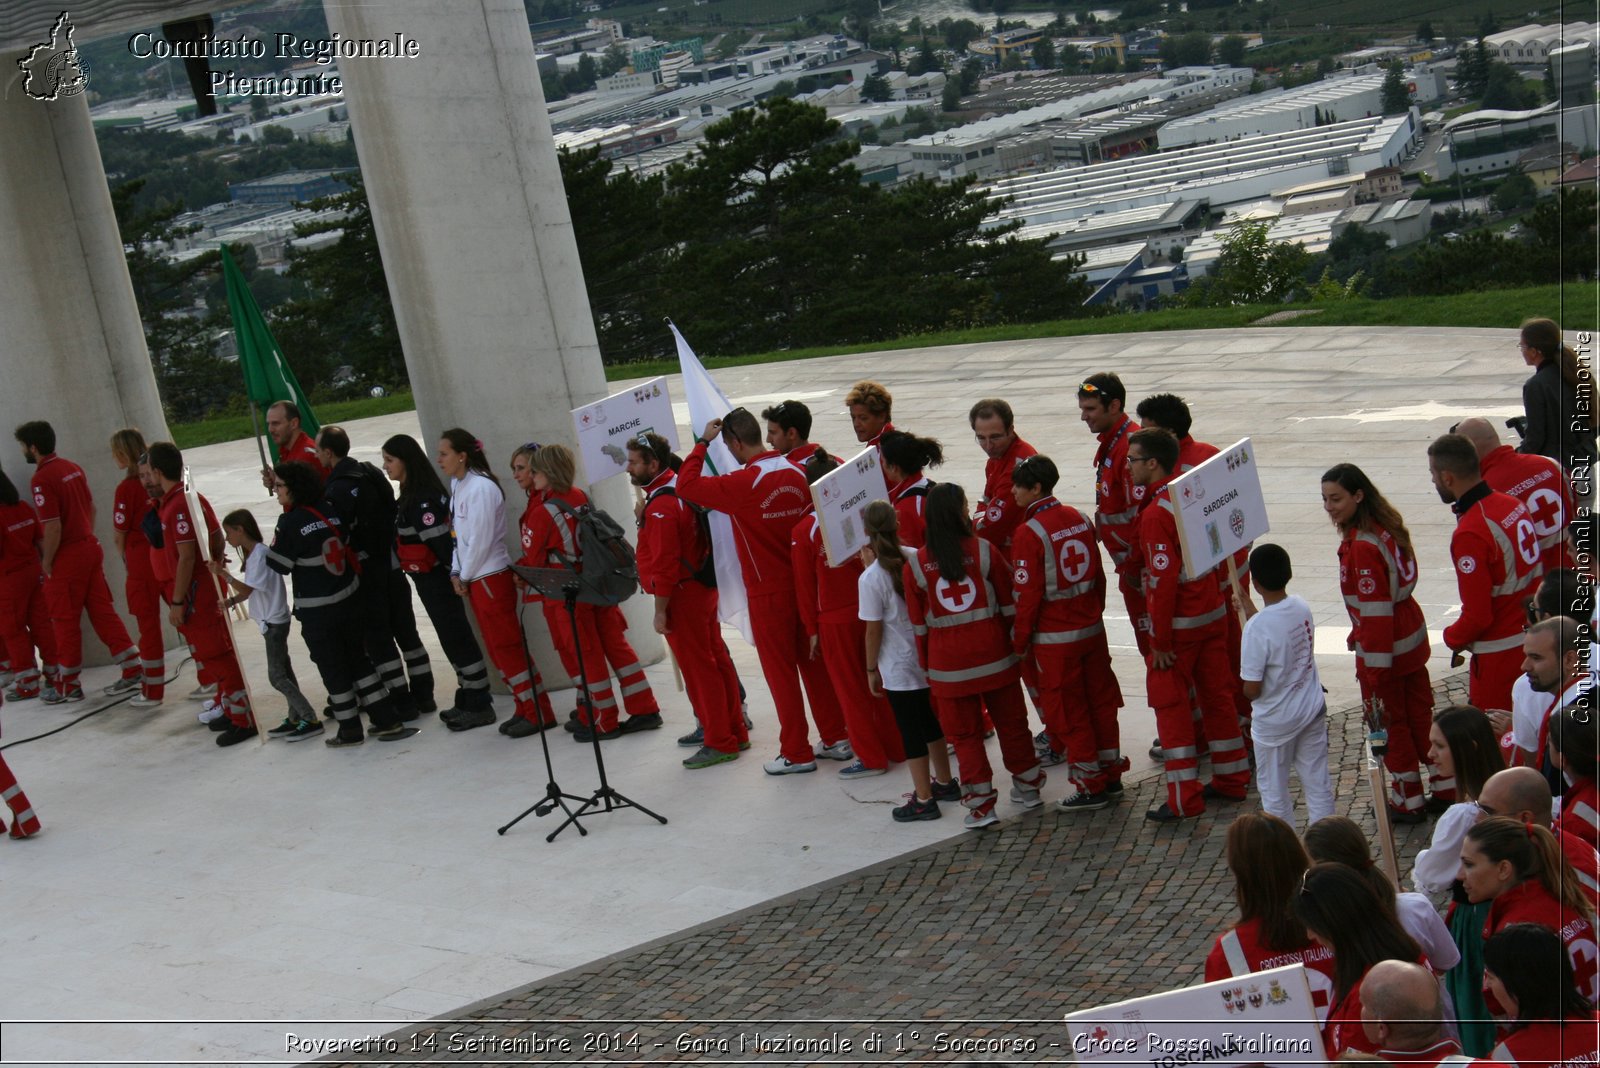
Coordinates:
[610,574]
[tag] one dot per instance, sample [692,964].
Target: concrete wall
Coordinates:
[74,351]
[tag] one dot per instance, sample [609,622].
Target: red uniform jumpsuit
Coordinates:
[1530,902]
[1539,483]
[763,500]
[964,639]
[23,821]
[24,620]
[1239,952]
[1061,603]
[1552,1044]
[205,625]
[1186,618]
[1378,581]
[1192,454]
[550,539]
[1496,554]
[76,582]
[1116,520]
[998,513]
[829,604]
[131,504]
[910,499]
[671,547]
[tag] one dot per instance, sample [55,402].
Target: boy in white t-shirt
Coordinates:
[1289,722]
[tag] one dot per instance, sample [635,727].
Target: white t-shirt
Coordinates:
[269,600]
[898,665]
[1528,709]
[1277,652]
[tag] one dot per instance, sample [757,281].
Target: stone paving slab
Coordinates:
[968,951]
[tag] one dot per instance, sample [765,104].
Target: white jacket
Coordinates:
[478,514]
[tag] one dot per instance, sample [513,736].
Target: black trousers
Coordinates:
[449,615]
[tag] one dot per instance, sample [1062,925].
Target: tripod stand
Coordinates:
[552,582]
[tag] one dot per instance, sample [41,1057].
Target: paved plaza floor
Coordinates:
[208,902]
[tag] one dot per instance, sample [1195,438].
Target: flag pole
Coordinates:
[255,420]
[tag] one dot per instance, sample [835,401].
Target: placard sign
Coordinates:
[841,497]
[1220,508]
[1264,1018]
[605,427]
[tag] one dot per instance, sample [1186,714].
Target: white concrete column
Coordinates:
[72,350]
[472,221]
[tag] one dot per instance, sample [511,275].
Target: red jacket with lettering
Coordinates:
[998,514]
[1552,1044]
[128,509]
[1378,582]
[1496,555]
[19,538]
[1116,504]
[1180,610]
[1239,952]
[61,492]
[825,594]
[1059,584]
[1538,482]
[1530,902]
[671,544]
[910,499]
[763,500]
[963,628]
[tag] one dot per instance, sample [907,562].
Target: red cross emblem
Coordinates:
[956,596]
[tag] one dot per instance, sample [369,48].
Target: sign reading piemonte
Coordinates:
[606,426]
[841,497]
[1220,509]
[1262,1018]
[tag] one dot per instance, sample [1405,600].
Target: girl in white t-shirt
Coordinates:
[894,670]
[269,607]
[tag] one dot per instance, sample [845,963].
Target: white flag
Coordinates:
[707,402]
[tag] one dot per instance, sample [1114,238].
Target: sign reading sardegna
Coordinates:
[1220,508]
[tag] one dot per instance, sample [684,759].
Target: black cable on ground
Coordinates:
[113,703]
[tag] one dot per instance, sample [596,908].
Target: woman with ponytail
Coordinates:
[1558,399]
[958,596]
[1520,869]
[893,670]
[904,458]
[480,570]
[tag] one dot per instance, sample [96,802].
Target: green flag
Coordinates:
[267,378]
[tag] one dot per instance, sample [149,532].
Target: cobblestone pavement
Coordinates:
[986,941]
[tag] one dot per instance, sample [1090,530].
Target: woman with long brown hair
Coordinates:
[1377,577]
[1268,864]
[1462,744]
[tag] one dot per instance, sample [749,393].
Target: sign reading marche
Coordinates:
[841,497]
[1220,508]
[606,426]
[1264,1018]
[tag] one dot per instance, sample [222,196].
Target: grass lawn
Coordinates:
[1575,306]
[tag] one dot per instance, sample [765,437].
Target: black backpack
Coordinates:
[705,572]
[610,574]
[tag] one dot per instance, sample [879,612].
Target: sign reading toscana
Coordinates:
[1263,1018]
